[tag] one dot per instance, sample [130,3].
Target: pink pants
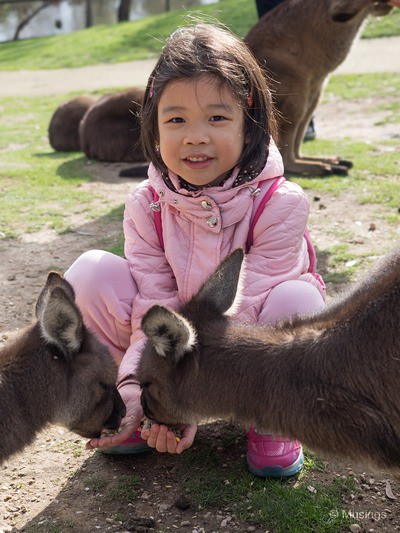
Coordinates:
[105,291]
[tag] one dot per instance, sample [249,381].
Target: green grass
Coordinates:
[126,489]
[122,489]
[141,39]
[354,86]
[213,484]
[388,26]
[126,41]
[37,185]
[376,165]
[59,527]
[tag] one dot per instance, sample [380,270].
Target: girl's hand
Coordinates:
[164,440]
[131,396]
[394,3]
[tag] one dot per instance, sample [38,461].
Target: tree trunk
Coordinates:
[124,10]
[89,14]
[26,21]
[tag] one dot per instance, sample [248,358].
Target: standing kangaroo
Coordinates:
[56,372]
[330,379]
[299,43]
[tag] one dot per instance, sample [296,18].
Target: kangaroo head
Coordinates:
[87,398]
[168,367]
[343,11]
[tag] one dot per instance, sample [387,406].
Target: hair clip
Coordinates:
[151,91]
[250,98]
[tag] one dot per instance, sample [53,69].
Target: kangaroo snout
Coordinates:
[118,412]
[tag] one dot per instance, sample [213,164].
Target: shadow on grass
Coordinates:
[209,482]
[337,280]
[78,166]
[95,170]
[55,155]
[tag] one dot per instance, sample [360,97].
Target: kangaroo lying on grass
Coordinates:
[56,372]
[299,43]
[64,124]
[330,379]
[106,130]
[110,130]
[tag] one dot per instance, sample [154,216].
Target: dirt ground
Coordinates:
[57,486]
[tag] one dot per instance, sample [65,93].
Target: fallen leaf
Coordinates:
[389,491]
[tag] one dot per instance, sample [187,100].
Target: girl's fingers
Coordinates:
[160,438]
[164,440]
[110,441]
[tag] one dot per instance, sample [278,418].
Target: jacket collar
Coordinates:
[272,169]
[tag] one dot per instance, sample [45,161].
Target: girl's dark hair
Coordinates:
[207,49]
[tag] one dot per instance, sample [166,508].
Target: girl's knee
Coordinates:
[294,297]
[93,269]
[101,279]
[105,290]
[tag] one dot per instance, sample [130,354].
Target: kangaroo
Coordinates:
[330,379]
[299,43]
[110,131]
[56,372]
[64,124]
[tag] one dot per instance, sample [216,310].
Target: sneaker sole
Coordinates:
[277,471]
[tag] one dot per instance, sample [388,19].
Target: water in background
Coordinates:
[71,15]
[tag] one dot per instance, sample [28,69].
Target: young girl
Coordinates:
[207,128]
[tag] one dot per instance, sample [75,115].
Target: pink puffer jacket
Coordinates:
[202,228]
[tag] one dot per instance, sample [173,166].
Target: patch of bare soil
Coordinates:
[57,486]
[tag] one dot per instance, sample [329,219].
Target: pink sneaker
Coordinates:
[273,455]
[134,444]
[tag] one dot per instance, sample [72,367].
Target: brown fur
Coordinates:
[110,129]
[56,372]
[330,379]
[64,124]
[299,43]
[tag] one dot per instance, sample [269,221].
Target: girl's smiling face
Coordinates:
[201,129]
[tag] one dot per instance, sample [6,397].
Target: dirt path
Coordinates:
[367,55]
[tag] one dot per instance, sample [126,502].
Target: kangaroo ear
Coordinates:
[222,288]
[59,318]
[169,332]
[54,279]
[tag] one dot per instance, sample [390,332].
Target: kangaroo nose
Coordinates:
[146,410]
[118,412]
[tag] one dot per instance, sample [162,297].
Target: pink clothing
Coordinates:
[199,230]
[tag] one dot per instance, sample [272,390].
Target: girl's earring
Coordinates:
[157,147]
